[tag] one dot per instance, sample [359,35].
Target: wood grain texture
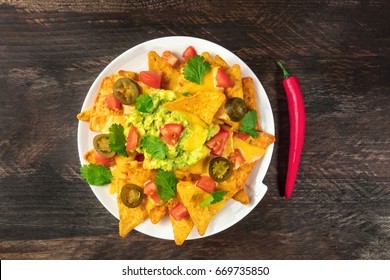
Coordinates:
[51,52]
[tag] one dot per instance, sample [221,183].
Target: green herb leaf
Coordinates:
[248,124]
[118,139]
[144,103]
[166,184]
[154,146]
[97,175]
[214,197]
[196,68]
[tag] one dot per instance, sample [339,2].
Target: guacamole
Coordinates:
[190,147]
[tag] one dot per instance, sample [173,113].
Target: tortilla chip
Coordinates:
[191,197]
[218,61]
[204,105]
[181,228]
[155,211]
[85,115]
[264,140]
[101,115]
[241,196]
[234,73]
[250,97]
[170,75]
[208,57]
[129,218]
[90,156]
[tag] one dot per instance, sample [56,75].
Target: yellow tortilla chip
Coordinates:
[85,115]
[250,97]
[155,211]
[90,156]
[191,197]
[100,113]
[204,105]
[181,228]
[208,57]
[129,218]
[241,196]
[218,61]
[234,73]
[170,75]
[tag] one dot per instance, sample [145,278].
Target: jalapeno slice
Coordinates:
[101,143]
[235,108]
[126,91]
[132,195]
[220,169]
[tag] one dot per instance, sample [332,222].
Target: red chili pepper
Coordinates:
[296,112]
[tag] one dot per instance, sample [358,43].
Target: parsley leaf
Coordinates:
[154,146]
[214,197]
[97,175]
[117,139]
[196,68]
[144,103]
[248,124]
[166,184]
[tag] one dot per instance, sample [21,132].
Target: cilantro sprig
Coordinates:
[117,139]
[155,147]
[214,197]
[196,68]
[166,182]
[144,103]
[97,175]
[248,124]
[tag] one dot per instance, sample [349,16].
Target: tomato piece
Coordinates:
[189,52]
[170,58]
[206,183]
[151,78]
[150,189]
[112,102]
[237,158]
[218,142]
[242,135]
[103,160]
[132,138]
[179,211]
[222,79]
[171,132]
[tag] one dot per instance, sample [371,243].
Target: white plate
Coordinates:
[135,59]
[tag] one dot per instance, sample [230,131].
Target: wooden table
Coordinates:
[52,51]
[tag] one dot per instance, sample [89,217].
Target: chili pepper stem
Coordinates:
[285,73]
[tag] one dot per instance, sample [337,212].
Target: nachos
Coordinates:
[178,139]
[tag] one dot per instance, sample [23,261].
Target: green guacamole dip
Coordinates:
[191,145]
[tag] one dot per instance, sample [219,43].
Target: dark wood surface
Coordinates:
[51,52]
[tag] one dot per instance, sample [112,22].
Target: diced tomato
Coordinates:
[242,135]
[189,52]
[170,58]
[103,160]
[179,212]
[218,142]
[151,78]
[171,132]
[222,79]
[237,158]
[150,189]
[206,183]
[132,138]
[112,102]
